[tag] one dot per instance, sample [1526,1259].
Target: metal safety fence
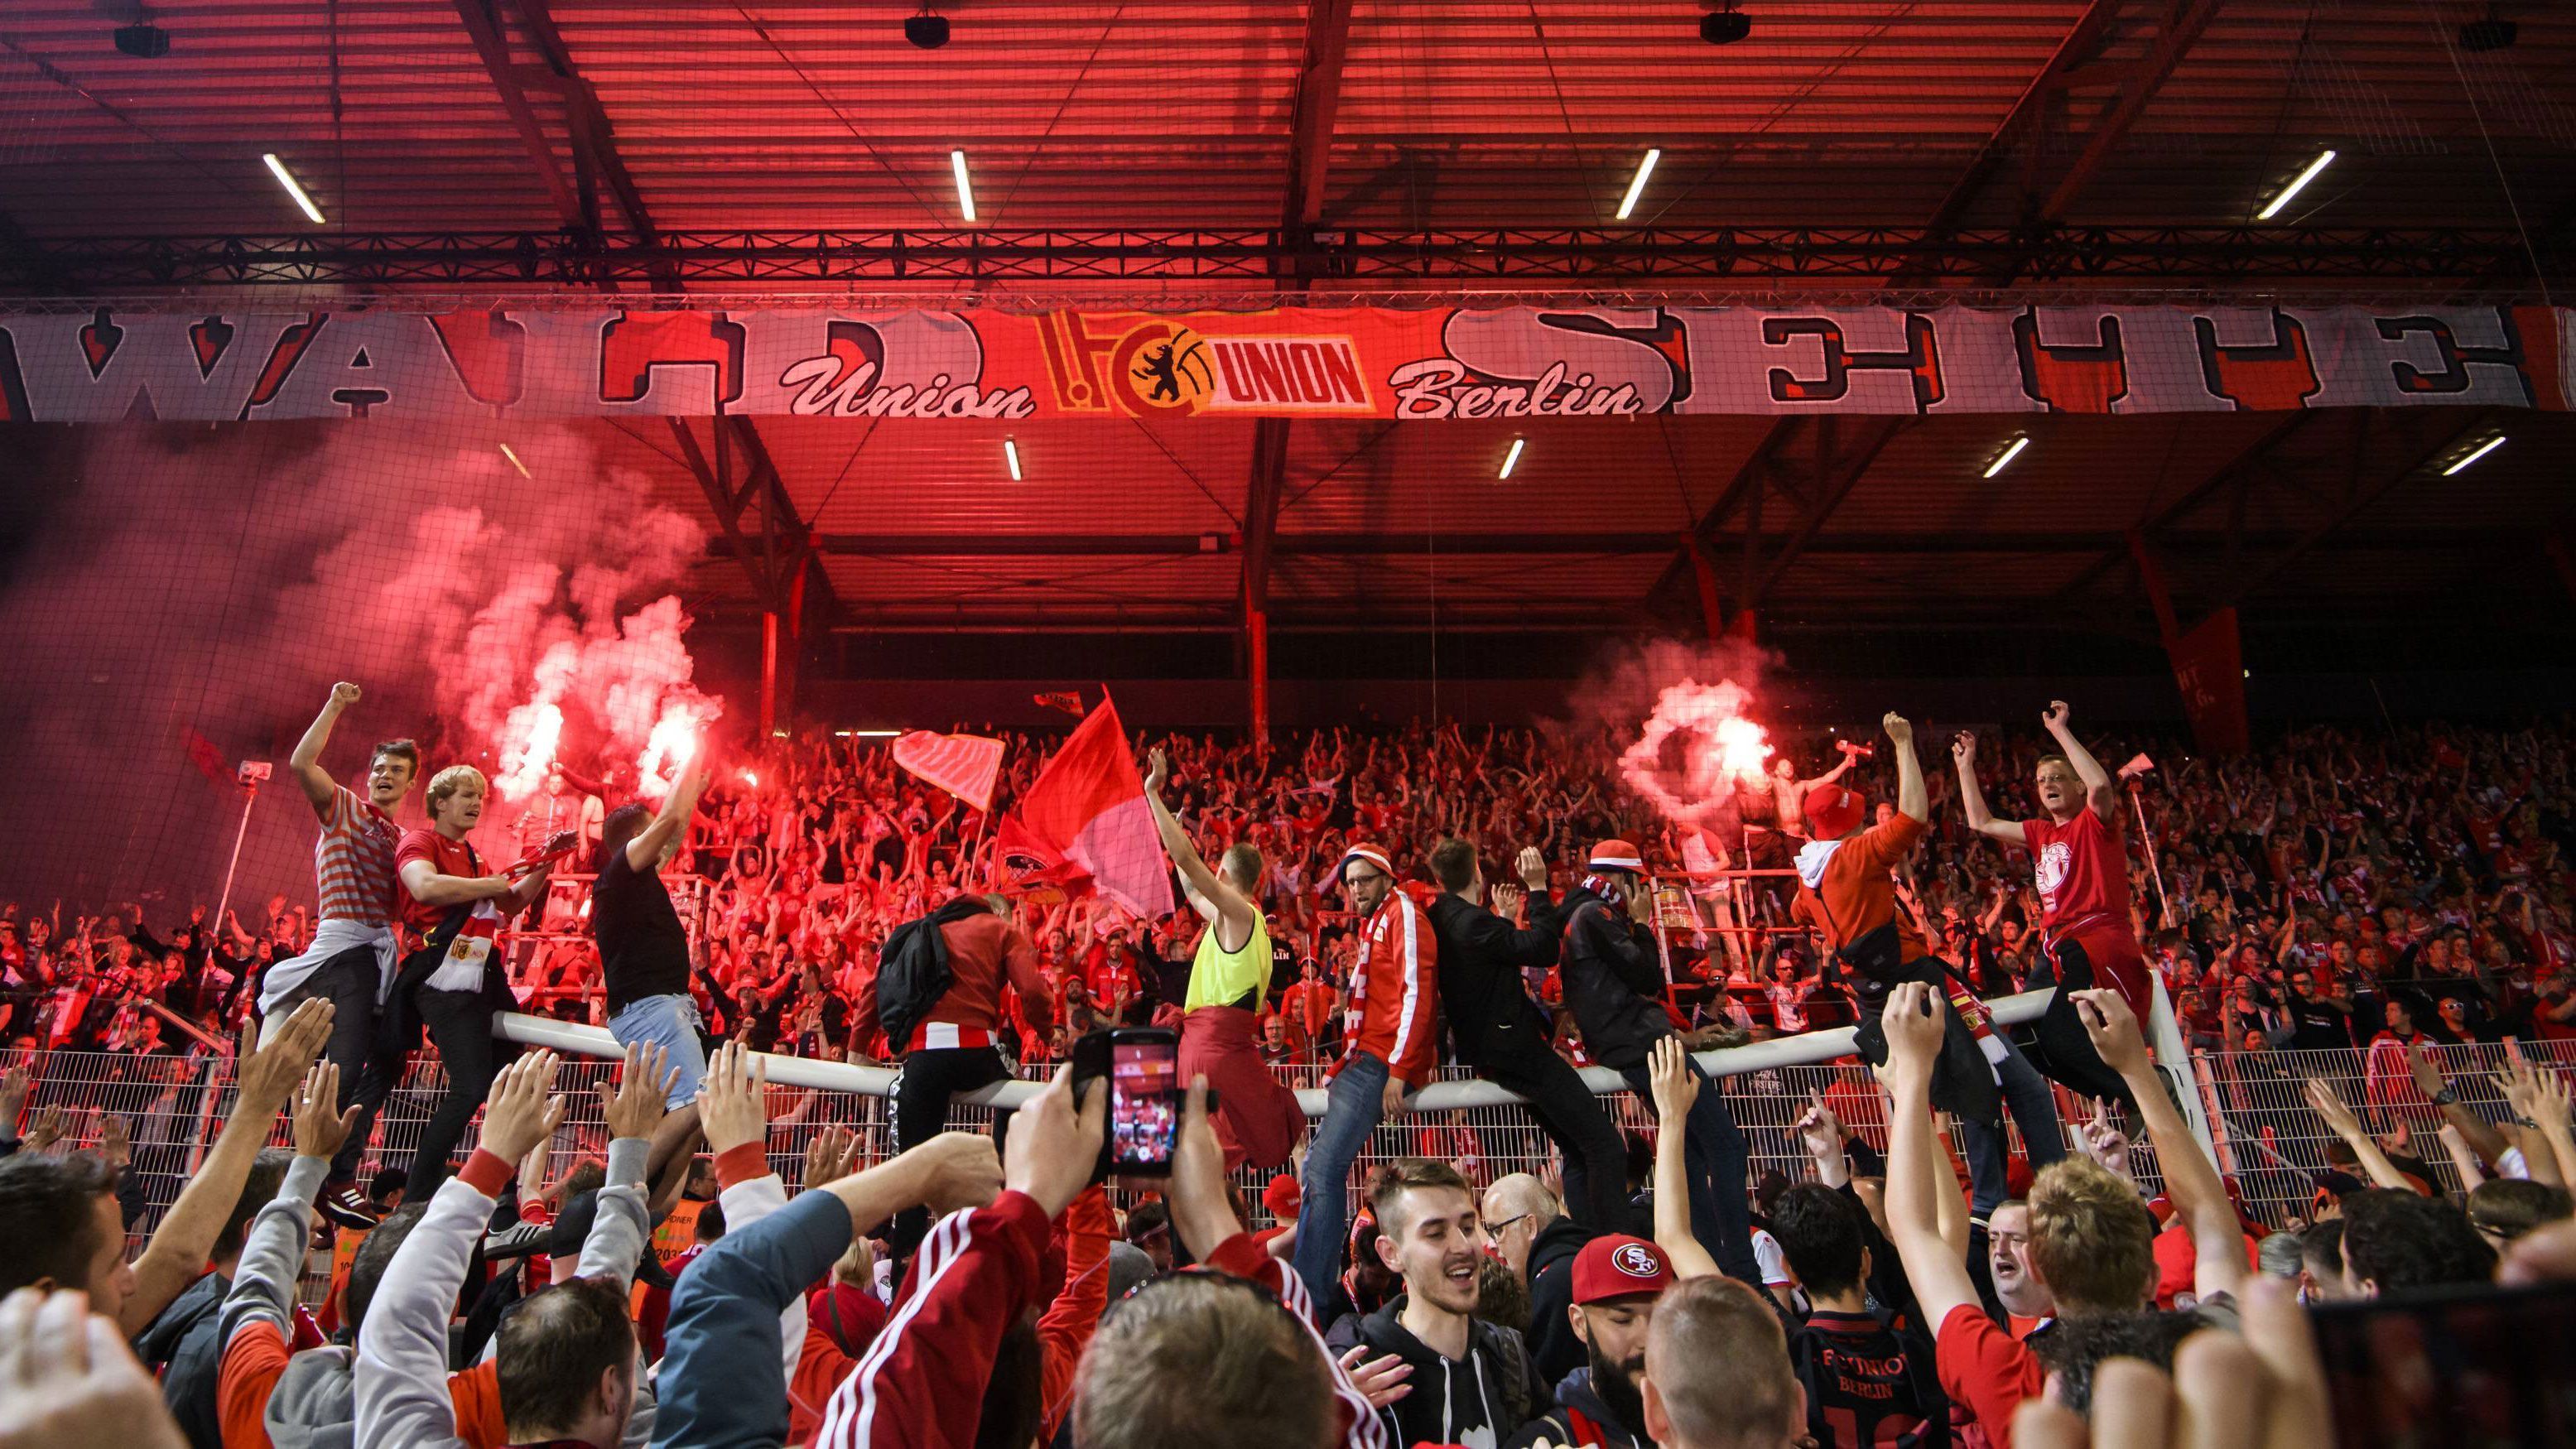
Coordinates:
[2274,1147]
[174,1106]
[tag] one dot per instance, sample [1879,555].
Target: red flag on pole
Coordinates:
[963,765]
[1085,824]
[202,752]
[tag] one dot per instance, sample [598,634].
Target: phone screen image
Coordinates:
[1144,1104]
[2463,1367]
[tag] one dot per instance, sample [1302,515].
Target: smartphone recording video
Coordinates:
[1144,1100]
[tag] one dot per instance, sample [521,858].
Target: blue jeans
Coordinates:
[2034,1108]
[1353,1108]
[671,1023]
[1713,1166]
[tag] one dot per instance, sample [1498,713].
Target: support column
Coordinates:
[1256,671]
[768,672]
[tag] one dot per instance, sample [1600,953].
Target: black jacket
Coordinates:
[1581,1420]
[184,1337]
[1553,1346]
[1613,982]
[1490,1389]
[1481,957]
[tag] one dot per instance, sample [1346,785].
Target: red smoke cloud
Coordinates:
[163,582]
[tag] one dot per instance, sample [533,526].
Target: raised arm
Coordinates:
[1913,800]
[306,762]
[177,1254]
[262,1296]
[644,852]
[1972,800]
[400,1381]
[1939,1276]
[2191,1179]
[2099,792]
[1234,915]
[2343,1122]
[1675,1089]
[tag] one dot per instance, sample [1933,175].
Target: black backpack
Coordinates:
[912,969]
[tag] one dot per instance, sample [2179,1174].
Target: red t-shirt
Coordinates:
[447,857]
[2082,870]
[1986,1369]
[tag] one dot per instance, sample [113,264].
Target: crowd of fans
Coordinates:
[2339,894]
[2335,888]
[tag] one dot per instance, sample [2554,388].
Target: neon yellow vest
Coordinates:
[1219,977]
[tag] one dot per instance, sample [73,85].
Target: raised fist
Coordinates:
[344,694]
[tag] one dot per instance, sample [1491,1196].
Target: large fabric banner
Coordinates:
[565,359]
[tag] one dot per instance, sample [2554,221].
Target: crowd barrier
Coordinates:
[175,1104]
[2247,1106]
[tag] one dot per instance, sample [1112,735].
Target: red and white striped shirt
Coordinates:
[353,859]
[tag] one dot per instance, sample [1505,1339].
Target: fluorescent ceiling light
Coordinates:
[2324,158]
[286,179]
[1011,455]
[1637,187]
[2005,459]
[1512,459]
[2489,446]
[965,188]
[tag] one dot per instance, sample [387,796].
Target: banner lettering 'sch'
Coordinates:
[563,361]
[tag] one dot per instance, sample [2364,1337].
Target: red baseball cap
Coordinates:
[1619,1266]
[1832,812]
[1281,1197]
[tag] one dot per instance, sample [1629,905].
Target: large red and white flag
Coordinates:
[963,765]
[1085,825]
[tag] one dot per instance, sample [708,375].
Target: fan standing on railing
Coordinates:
[1257,1118]
[351,960]
[644,952]
[1848,893]
[2080,864]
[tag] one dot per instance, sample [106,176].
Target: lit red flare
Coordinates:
[1694,747]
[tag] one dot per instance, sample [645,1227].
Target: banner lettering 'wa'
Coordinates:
[107,364]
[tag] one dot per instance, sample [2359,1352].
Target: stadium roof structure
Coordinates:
[1170,153]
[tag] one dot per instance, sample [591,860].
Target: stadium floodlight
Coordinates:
[2489,446]
[2297,184]
[286,179]
[2004,459]
[1512,459]
[965,187]
[1637,187]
